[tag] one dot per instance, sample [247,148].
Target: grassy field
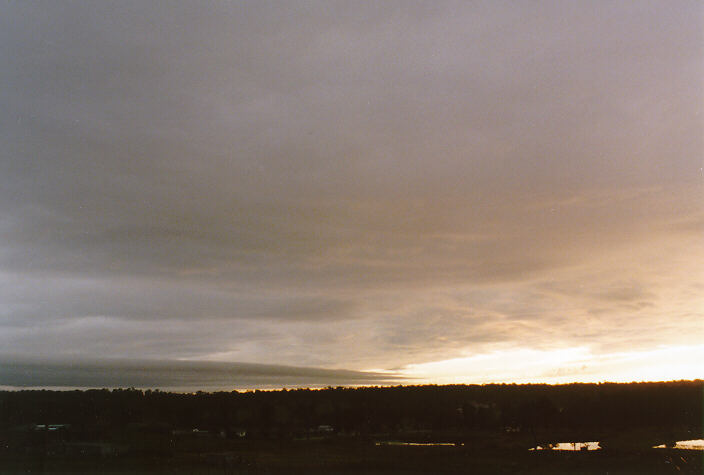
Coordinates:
[353,456]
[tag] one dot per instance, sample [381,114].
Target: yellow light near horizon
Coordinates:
[565,365]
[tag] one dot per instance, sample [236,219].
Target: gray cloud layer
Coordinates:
[174,375]
[345,185]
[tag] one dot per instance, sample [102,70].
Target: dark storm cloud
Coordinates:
[323,183]
[173,375]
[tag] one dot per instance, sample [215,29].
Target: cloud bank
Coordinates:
[339,185]
[28,373]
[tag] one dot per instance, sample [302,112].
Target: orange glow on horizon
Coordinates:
[561,366]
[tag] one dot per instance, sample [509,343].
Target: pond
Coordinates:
[418,444]
[694,444]
[572,446]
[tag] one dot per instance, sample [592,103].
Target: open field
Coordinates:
[355,457]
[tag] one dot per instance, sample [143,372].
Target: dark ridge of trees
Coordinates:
[370,410]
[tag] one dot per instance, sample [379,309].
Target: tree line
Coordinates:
[367,410]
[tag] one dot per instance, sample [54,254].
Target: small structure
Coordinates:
[50,427]
[238,432]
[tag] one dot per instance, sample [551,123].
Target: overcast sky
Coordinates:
[419,188]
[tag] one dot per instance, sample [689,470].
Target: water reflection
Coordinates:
[419,444]
[572,446]
[694,444]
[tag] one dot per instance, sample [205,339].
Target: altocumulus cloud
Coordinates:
[339,185]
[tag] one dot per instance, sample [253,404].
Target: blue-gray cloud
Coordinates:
[173,375]
[340,185]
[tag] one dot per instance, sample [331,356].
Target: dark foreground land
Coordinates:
[352,458]
[489,429]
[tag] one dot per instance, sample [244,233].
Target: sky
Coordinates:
[268,194]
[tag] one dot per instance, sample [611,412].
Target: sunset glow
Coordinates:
[564,366]
[259,195]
